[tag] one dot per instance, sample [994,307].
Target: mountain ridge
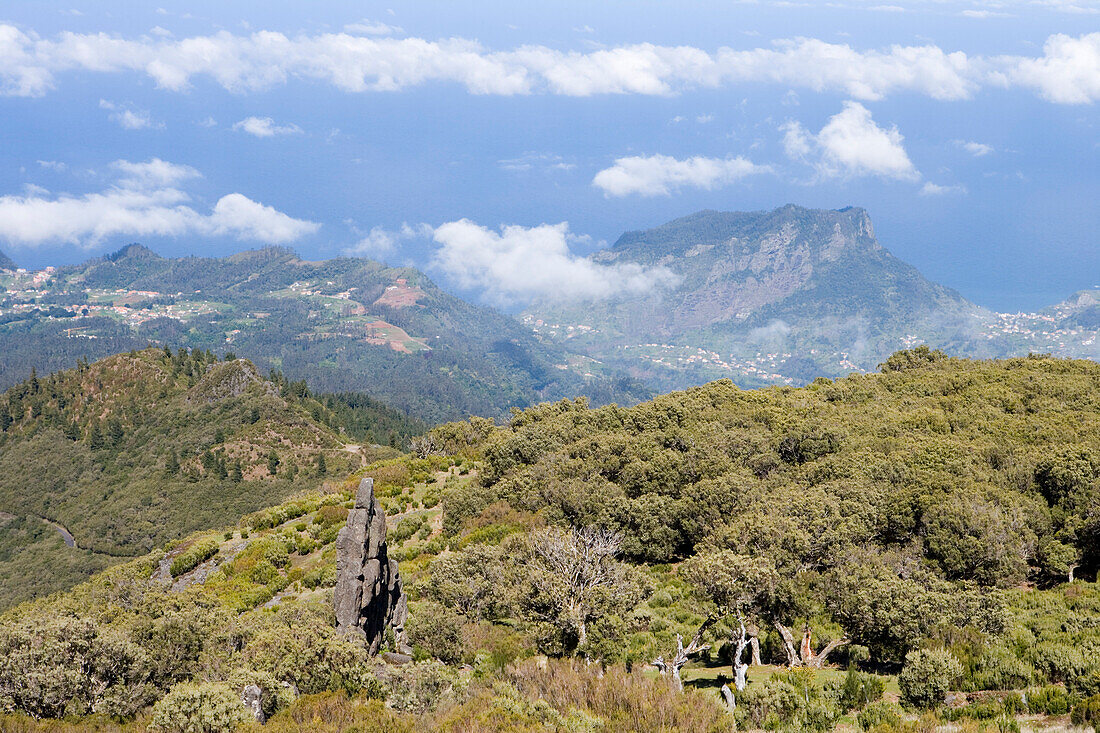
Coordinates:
[779,295]
[344,324]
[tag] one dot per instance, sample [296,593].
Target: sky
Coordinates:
[495,145]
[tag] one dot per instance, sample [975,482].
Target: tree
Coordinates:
[272,462]
[322,467]
[735,584]
[576,573]
[95,437]
[172,464]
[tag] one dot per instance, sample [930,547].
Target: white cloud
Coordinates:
[850,145]
[974,148]
[53,165]
[144,200]
[153,173]
[660,175]
[265,127]
[1067,72]
[521,264]
[377,243]
[128,117]
[372,28]
[983,14]
[534,160]
[931,189]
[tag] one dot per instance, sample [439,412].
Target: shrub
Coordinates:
[1050,700]
[436,631]
[856,690]
[879,713]
[194,556]
[420,687]
[1087,712]
[209,707]
[927,676]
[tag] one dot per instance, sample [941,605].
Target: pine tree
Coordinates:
[236,475]
[114,434]
[172,465]
[322,467]
[273,463]
[95,437]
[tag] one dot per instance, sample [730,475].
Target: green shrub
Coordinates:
[879,713]
[927,676]
[1087,712]
[436,632]
[856,690]
[194,556]
[1050,700]
[209,707]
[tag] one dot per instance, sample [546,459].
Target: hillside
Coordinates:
[346,324]
[6,263]
[919,524]
[126,453]
[783,296]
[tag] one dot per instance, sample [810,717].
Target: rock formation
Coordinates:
[369,597]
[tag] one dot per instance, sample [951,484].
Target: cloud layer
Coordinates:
[144,200]
[660,175]
[520,264]
[851,145]
[264,127]
[1067,72]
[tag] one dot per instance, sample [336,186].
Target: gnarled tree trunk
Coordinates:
[805,657]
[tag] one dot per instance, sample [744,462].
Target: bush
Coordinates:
[879,713]
[194,556]
[1050,700]
[1087,712]
[420,687]
[856,690]
[436,632]
[209,707]
[927,676]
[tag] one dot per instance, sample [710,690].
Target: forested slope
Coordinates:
[918,527]
[136,449]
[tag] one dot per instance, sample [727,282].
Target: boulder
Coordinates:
[369,598]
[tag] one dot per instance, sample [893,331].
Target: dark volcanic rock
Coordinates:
[369,597]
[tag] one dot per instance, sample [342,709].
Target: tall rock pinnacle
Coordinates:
[369,597]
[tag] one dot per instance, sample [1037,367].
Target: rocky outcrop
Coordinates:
[225,380]
[369,598]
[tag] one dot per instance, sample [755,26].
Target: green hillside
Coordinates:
[6,263]
[346,324]
[920,523]
[134,450]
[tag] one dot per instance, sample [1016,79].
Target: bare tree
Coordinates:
[805,656]
[582,559]
[684,653]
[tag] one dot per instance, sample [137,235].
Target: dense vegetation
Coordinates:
[918,527]
[284,313]
[140,448]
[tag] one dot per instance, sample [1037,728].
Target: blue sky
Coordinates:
[967,129]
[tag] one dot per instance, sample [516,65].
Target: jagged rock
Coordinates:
[398,659]
[369,597]
[225,380]
[252,699]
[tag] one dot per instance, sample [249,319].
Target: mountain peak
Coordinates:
[794,225]
[133,251]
